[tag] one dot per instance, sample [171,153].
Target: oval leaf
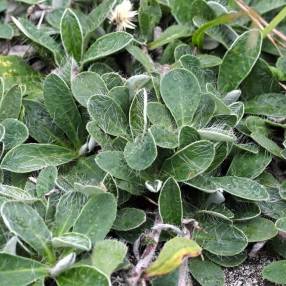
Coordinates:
[170,203]
[87,84]
[129,218]
[107,255]
[275,272]
[107,45]
[214,275]
[83,275]
[141,153]
[242,187]
[62,108]
[31,157]
[190,161]
[72,34]
[26,223]
[181,93]
[72,240]
[20,271]
[239,60]
[108,115]
[97,217]
[258,229]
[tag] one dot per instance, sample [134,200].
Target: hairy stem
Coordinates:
[146,258]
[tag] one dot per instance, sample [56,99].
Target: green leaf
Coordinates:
[258,229]
[266,143]
[87,84]
[113,80]
[281,224]
[243,55]
[190,161]
[62,108]
[184,11]
[84,171]
[209,61]
[121,95]
[97,217]
[221,134]
[275,207]
[6,31]
[169,35]
[149,15]
[14,193]
[108,115]
[14,70]
[2,132]
[16,133]
[107,45]
[206,111]
[141,153]
[277,244]
[245,211]
[242,187]
[40,37]
[222,150]
[72,240]
[170,203]
[227,261]
[100,137]
[136,113]
[141,57]
[168,279]
[246,164]
[107,255]
[203,183]
[214,276]
[159,114]
[215,29]
[32,157]
[188,135]
[20,271]
[129,218]
[72,34]
[67,212]
[113,162]
[220,237]
[25,222]
[84,275]
[10,105]
[263,6]
[46,181]
[253,85]
[41,126]
[172,255]
[164,137]
[98,15]
[181,93]
[275,272]
[269,104]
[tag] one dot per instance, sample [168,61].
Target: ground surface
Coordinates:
[249,273]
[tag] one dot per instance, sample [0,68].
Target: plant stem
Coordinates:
[146,258]
[275,21]
[184,279]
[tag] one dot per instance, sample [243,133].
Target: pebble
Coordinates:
[249,273]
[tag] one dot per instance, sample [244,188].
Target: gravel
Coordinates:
[249,273]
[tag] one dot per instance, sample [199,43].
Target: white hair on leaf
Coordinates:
[123,15]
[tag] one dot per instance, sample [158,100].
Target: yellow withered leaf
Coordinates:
[172,255]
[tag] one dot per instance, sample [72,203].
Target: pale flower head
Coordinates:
[122,16]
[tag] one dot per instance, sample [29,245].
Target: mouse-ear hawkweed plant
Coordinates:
[130,157]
